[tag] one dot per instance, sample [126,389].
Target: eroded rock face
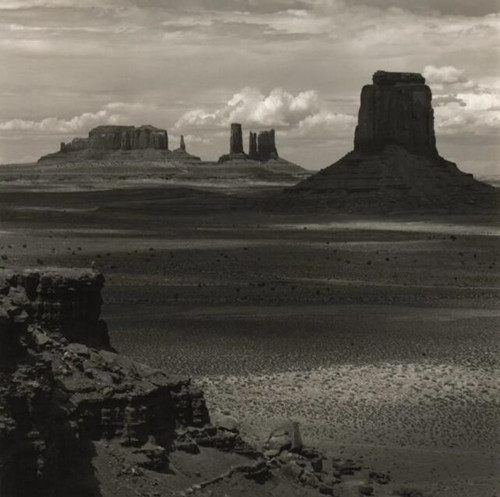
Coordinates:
[65,302]
[57,397]
[396,110]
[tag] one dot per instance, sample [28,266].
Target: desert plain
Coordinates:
[378,333]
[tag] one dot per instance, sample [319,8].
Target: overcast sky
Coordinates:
[194,66]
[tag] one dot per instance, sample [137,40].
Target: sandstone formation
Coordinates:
[114,143]
[396,110]
[261,147]
[120,138]
[253,152]
[181,154]
[266,146]
[236,140]
[236,151]
[395,163]
[57,397]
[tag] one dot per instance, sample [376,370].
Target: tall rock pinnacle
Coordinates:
[252,146]
[182,145]
[396,109]
[236,140]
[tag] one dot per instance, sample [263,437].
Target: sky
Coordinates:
[195,66]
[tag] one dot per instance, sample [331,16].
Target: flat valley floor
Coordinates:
[379,335]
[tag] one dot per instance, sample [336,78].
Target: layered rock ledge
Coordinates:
[58,396]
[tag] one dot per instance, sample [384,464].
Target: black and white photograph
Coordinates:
[249,248]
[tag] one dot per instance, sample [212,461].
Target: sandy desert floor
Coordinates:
[381,336]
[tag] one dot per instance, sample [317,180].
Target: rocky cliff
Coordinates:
[57,396]
[395,164]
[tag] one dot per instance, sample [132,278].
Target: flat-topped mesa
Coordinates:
[112,138]
[128,138]
[396,110]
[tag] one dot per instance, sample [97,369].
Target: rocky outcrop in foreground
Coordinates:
[77,418]
[57,396]
[395,164]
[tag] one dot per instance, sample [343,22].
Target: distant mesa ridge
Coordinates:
[261,146]
[122,143]
[395,163]
[120,138]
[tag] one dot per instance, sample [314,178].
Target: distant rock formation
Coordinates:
[395,164]
[253,152]
[120,138]
[181,154]
[261,147]
[396,110]
[236,151]
[120,144]
[236,140]
[266,144]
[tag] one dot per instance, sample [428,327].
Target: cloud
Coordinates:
[326,125]
[444,75]
[113,113]
[461,106]
[251,107]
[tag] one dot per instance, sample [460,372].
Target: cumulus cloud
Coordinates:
[462,107]
[113,113]
[251,107]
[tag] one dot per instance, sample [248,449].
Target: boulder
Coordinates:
[285,437]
